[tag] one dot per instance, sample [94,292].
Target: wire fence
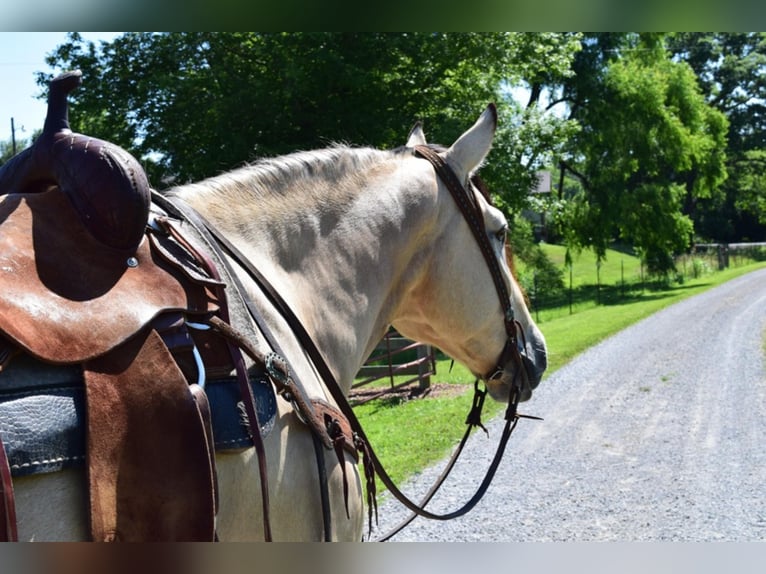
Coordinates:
[584,288]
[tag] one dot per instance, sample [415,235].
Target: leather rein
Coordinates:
[471,210]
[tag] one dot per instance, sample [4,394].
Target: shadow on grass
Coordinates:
[609,295]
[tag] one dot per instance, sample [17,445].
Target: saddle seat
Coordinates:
[80,298]
[106,185]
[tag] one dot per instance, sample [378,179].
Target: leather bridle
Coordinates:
[471,210]
[512,352]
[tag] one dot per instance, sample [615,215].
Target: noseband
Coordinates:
[471,210]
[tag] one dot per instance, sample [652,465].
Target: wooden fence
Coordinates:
[393,358]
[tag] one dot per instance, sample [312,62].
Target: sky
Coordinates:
[21,55]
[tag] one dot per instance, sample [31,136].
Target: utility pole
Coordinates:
[13,136]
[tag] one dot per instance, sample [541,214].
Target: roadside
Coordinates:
[656,433]
[434,425]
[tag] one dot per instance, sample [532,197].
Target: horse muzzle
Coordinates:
[520,369]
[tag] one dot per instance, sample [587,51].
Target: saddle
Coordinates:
[90,280]
[74,252]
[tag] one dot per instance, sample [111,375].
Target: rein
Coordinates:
[372,464]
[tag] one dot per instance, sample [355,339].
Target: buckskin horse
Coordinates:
[250,299]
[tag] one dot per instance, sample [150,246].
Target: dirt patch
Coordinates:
[434,390]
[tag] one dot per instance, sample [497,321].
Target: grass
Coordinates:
[410,435]
[618,279]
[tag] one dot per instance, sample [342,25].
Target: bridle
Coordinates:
[512,352]
[469,207]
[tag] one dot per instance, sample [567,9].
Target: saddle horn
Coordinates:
[106,185]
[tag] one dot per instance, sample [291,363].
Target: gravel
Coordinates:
[658,433]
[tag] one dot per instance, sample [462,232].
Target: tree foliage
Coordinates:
[731,68]
[648,142]
[6,151]
[638,123]
[199,103]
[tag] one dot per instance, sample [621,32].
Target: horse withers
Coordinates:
[354,240]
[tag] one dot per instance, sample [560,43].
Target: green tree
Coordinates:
[6,147]
[648,141]
[194,104]
[6,151]
[730,69]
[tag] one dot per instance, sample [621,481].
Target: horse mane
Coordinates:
[278,183]
[309,177]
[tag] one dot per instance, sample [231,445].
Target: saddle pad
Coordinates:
[42,415]
[59,283]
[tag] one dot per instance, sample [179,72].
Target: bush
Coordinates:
[700,267]
[540,274]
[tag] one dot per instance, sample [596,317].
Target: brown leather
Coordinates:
[67,284]
[81,284]
[203,406]
[105,184]
[339,430]
[8,532]
[149,468]
[337,426]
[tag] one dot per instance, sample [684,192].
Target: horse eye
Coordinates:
[501,234]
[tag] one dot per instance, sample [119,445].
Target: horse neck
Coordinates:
[344,265]
[358,263]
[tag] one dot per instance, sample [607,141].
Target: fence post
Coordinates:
[598,282]
[424,377]
[622,278]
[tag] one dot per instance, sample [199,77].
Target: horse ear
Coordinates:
[470,149]
[417,136]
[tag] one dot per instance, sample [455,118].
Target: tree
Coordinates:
[6,151]
[6,147]
[532,133]
[648,142]
[730,69]
[194,104]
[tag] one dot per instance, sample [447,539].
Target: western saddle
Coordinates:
[89,280]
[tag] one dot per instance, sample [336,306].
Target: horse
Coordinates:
[355,240]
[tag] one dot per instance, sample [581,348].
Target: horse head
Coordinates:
[469,303]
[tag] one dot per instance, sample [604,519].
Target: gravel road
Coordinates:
[658,433]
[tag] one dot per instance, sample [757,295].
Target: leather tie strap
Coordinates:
[8,531]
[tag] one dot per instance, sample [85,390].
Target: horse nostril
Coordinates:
[535,363]
[542,359]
